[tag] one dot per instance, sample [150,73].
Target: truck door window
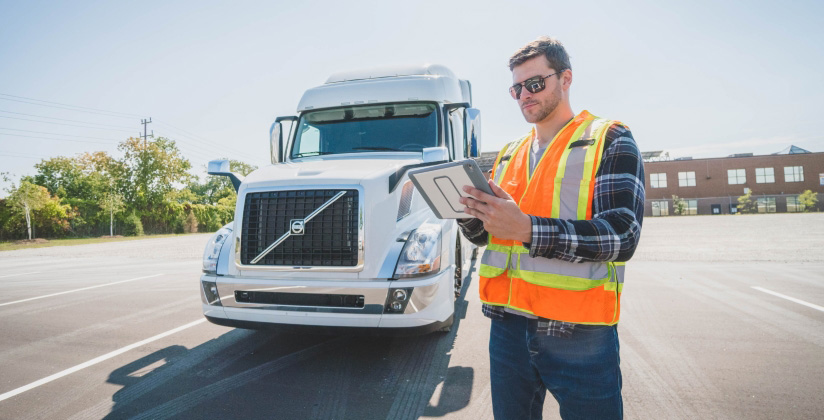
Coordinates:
[310,140]
[456,124]
[404,127]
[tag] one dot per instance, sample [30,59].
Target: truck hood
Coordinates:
[329,170]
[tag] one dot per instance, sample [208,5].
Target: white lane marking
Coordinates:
[792,299]
[19,274]
[95,361]
[80,290]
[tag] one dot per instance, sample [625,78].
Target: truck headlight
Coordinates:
[213,247]
[421,254]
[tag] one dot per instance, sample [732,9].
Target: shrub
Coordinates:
[746,204]
[809,200]
[133,226]
[679,206]
[190,224]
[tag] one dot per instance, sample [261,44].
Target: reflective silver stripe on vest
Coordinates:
[494,259]
[583,270]
[499,172]
[619,273]
[573,175]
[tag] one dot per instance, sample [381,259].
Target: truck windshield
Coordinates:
[372,128]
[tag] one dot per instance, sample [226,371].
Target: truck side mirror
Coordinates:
[221,168]
[276,138]
[472,122]
[276,142]
[435,154]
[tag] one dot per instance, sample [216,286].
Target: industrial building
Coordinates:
[713,185]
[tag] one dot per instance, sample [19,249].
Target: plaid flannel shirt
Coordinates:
[611,235]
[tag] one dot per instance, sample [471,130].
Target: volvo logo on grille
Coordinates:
[297,226]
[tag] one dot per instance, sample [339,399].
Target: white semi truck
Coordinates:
[333,233]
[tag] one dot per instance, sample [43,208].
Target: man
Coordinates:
[566,216]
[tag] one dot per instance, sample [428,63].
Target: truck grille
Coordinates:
[300,299]
[330,239]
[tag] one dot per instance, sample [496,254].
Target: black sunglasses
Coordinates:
[533,85]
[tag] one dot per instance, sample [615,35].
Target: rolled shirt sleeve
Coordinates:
[618,210]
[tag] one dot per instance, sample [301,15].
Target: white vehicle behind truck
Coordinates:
[333,233]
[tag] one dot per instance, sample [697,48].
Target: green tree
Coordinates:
[81,182]
[87,176]
[746,204]
[148,172]
[679,206]
[112,203]
[28,198]
[809,200]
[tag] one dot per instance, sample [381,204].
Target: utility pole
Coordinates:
[145,135]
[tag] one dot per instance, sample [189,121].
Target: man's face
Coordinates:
[536,107]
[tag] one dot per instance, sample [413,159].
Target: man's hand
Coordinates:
[501,215]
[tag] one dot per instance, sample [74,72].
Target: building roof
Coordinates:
[791,150]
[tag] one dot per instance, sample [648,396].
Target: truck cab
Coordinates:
[333,232]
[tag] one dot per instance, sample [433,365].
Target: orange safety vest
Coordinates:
[561,186]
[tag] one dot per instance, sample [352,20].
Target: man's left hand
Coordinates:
[500,213]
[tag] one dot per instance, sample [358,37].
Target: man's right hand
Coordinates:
[500,213]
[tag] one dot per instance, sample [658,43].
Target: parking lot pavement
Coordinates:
[722,318]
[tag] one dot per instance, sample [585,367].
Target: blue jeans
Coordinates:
[582,371]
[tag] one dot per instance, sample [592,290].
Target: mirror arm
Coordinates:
[236,180]
[456,105]
[278,156]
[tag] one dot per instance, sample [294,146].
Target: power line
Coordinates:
[196,140]
[67,106]
[52,138]
[201,147]
[56,134]
[70,125]
[23,156]
[216,146]
[63,119]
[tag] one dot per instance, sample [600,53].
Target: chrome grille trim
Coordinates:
[242,231]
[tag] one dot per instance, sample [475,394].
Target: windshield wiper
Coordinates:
[304,154]
[378,148]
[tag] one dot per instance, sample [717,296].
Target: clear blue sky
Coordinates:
[702,78]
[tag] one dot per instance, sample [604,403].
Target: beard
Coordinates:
[545,108]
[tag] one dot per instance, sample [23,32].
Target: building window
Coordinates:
[764,176]
[658,180]
[692,207]
[766,204]
[793,173]
[793,205]
[736,176]
[660,208]
[686,179]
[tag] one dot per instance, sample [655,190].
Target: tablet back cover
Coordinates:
[442,185]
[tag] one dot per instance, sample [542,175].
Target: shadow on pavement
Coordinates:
[279,375]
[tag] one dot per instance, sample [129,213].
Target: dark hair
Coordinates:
[550,48]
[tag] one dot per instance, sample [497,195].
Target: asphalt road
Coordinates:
[722,318]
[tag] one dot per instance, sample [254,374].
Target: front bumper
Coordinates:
[430,303]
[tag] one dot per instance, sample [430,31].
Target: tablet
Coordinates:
[442,185]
